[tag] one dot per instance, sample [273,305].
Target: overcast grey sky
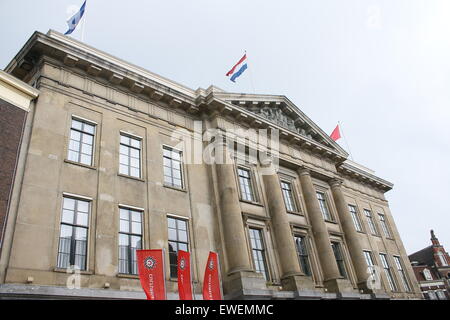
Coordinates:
[379,67]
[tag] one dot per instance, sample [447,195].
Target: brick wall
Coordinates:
[12,120]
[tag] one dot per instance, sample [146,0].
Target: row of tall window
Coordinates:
[248,194]
[81,146]
[387,269]
[73,244]
[370,222]
[74,231]
[81,150]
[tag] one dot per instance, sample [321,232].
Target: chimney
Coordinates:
[434,240]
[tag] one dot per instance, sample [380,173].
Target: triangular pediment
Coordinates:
[282,112]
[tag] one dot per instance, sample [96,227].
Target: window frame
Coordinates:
[343,272]
[264,253]
[371,222]
[292,195]
[370,264]
[388,272]
[402,274]
[301,257]
[384,225]
[326,206]
[251,185]
[83,121]
[355,218]
[74,225]
[129,147]
[129,235]
[181,167]
[174,266]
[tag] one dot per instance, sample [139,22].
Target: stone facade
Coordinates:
[223,214]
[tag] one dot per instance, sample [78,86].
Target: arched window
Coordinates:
[442,259]
[427,274]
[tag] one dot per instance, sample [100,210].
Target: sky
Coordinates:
[380,68]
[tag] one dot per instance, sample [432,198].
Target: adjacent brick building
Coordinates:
[15,98]
[431,267]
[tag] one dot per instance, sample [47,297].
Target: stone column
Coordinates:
[320,233]
[351,235]
[232,223]
[291,274]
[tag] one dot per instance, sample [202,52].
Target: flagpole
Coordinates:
[345,139]
[84,22]
[219,274]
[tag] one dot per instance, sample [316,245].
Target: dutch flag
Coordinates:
[73,21]
[238,68]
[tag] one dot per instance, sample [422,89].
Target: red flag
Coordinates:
[184,275]
[335,134]
[151,272]
[211,282]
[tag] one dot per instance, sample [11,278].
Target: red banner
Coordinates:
[151,272]
[211,282]
[184,275]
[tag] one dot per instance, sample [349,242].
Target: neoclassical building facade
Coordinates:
[108,166]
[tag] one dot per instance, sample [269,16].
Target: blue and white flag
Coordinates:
[238,68]
[73,21]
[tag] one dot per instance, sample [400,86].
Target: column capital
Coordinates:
[335,182]
[303,171]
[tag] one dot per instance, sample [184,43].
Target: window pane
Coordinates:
[124,226]
[172,234]
[73,156]
[136,216]
[74,145]
[88,128]
[182,235]
[67,216]
[76,124]
[85,159]
[88,139]
[135,143]
[75,135]
[69,203]
[135,227]
[134,172]
[82,219]
[83,206]
[171,223]
[124,140]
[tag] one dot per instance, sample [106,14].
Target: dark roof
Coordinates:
[424,256]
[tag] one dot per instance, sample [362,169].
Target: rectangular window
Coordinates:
[371,222]
[441,295]
[74,233]
[245,183]
[259,252]
[178,240]
[302,251]
[288,195]
[370,264]
[130,239]
[387,271]
[81,143]
[130,156]
[355,218]
[339,258]
[323,206]
[384,225]
[172,167]
[402,274]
